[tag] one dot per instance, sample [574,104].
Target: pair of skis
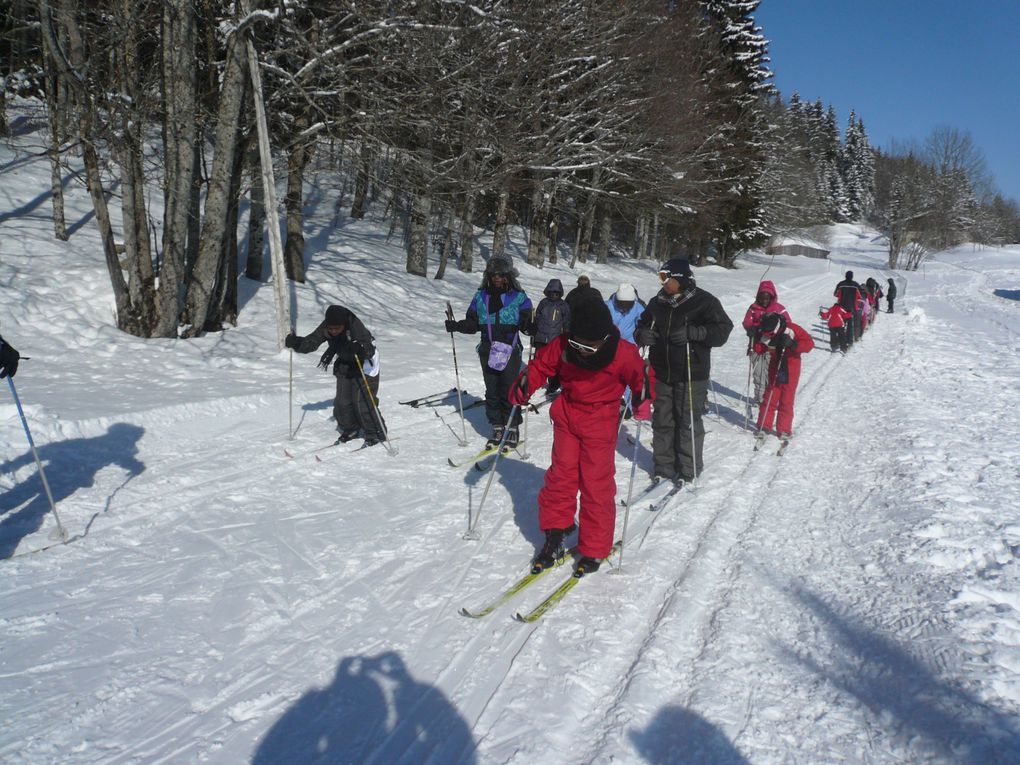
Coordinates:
[762,436]
[558,594]
[434,399]
[481,459]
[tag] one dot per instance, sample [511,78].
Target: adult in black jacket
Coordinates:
[848,294]
[9,359]
[890,294]
[349,343]
[500,310]
[682,322]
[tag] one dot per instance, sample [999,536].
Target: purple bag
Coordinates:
[499,355]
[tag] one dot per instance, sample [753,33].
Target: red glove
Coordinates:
[760,348]
[519,390]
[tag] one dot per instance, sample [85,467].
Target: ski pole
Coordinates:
[456,374]
[633,472]
[763,412]
[690,398]
[290,405]
[61,531]
[524,438]
[471,533]
[390,449]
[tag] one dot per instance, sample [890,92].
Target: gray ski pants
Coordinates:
[675,452]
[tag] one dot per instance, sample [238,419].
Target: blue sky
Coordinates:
[907,66]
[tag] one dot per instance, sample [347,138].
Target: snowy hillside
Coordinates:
[855,601]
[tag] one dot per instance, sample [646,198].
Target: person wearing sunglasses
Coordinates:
[594,366]
[500,310]
[681,326]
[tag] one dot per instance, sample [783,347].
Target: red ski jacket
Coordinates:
[587,387]
[836,316]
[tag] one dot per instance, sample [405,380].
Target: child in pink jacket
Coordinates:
[837,317]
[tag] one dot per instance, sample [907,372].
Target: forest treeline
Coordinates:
[638,129]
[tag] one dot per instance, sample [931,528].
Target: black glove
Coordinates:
[8,360]
[646,336]
[351,351]
[292,341]
[525,326]
[783,342]
[687,333]
[451,325]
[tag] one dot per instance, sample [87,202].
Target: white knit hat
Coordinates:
[625,292]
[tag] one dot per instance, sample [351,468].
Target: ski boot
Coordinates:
[759,440]
[347,435]
[586,565]
[371,441]
[512,439]
[495,438]
[552,550]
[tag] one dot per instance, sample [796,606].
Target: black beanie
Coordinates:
[772,323]
[590,318]
[336,316]
[849,274]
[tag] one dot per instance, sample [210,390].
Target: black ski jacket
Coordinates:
[355,339]
[669,360]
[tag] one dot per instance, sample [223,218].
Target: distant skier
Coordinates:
[848,293]
[785,342]
[595,366]
[552,319]
[626,308]
[682,324]
[349,343]
[837,317]
[890,295]
[765,301]
[583,288]
[9,358]
[500,310]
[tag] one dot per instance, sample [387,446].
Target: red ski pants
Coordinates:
[777,397]
[583,460]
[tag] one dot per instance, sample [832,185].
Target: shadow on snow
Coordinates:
[680,737]
[373,712]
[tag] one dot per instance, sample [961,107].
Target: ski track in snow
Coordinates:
[851,602]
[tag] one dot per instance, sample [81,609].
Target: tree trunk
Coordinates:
[223,309]
[360,203]
[499,227]
[207,267]
[418,241]
[53,119]
[554,237]
[256,219]
[180,152]
[444,252]
[467,235]
[605,234]
[297,161]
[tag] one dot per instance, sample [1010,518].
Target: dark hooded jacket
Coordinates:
[354,340]
[552,317]
[847,293]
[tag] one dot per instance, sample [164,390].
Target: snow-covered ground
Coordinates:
[855,601]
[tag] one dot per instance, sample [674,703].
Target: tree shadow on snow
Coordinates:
[680,737]
[927,713]
[70,465]
[373,712]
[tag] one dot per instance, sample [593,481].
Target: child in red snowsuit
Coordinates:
[837,317]
[594,366]
[786,342]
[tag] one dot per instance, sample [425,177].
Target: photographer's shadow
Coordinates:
[70,465]
[374,711]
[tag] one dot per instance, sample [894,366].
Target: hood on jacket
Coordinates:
[554,285]
[769,288]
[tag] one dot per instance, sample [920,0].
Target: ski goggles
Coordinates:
[586,348]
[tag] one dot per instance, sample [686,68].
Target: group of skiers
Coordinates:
[586,349]
[854,310]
